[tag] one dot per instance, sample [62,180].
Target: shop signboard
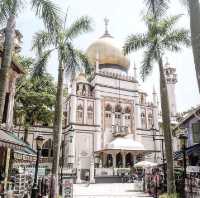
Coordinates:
[193,169]
[31,170]
[67,188]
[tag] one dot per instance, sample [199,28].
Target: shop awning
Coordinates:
[190,150]
[10,140]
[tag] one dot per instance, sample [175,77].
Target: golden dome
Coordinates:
[109,52]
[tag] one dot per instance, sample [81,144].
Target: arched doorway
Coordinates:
[119,161]
[109,160]
[129,159]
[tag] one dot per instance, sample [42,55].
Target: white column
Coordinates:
[137,113]
[113,118]
[78,180]
[123,119]
[73,146]
[114,159]
[85,112]
[146,119]
[73,104]
[98,108]
[98,111]
[92,180]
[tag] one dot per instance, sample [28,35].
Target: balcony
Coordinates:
[118,130]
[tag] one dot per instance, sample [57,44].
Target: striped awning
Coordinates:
[190,150]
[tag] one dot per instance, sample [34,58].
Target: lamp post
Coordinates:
[163,156]
[39,143]
[183,139]
[71,129]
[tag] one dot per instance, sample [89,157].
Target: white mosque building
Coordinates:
[108,118]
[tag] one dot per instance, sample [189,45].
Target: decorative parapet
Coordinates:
[118,76]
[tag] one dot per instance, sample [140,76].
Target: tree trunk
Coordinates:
[194,9]
[167,130]
[57,133]
[6,61]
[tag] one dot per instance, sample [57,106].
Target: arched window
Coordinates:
[118,114]
[47,148]
[90,115]
[127,116]
[108,115]
[109,161]
[127,113]
[118,108]
[129,160]
[150,120]
[119,160]
[143,120]
[80,113]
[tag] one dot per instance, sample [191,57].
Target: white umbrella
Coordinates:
[145,164]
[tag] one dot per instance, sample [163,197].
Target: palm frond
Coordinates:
[172,47]
[157,8]
[83,61]
[48,12]
[176,37]
[168,22]
[147,63]
[80,26]
[70,61]
[8,7]
[41,40]
[40,66]
[4,11]
[135,42]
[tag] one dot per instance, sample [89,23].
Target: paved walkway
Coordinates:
[114,190]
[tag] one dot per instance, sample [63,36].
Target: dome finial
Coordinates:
[106,21]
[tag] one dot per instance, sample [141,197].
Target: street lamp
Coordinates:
[71,129]
[39,143]
[183,138]
[163,155]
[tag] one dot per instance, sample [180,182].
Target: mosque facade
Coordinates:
[109,120]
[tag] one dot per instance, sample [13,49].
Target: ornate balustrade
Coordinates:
[118,130]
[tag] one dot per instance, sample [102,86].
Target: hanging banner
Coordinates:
[67,188]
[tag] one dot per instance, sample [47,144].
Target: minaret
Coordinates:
[171,80]
[155,108]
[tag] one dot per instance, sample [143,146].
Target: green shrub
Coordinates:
[169,196]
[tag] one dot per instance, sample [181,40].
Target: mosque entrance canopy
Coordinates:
[125,144]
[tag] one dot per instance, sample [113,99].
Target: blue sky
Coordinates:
[125,17]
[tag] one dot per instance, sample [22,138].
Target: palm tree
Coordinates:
[69,60]
[9,10]
[161,6]
[161,36]
[194,10]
